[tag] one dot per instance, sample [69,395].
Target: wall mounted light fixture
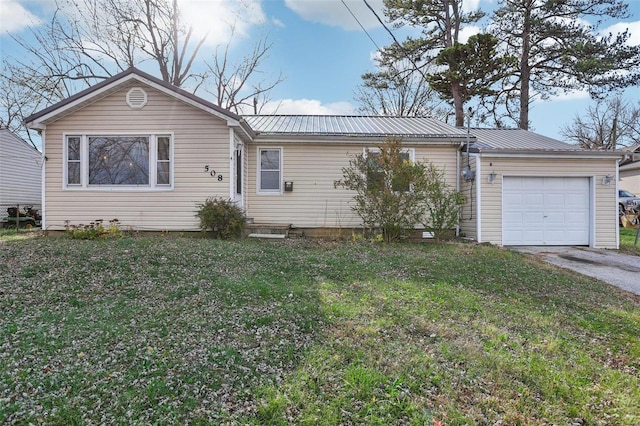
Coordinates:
[491,177]
[607,180]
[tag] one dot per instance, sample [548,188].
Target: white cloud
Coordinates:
[334,12]
[467,32]
[278,23]
[633,27]
[578,95]
[307,106]
[14,17]
[215,18]
[470,5]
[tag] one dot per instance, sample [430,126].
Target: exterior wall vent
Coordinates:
[136,98]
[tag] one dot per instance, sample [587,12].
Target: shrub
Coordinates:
[94,230]
[387,184]
[442,201]
[222,217]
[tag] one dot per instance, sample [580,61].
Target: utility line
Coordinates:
[407,55]
[361,26]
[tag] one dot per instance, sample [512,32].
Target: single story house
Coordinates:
[20,173]
[140,150]
[630,170]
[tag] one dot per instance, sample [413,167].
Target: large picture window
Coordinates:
[270,170]
[118,161]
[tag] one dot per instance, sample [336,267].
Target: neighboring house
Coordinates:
[630,170]
[20,173]
[145,152]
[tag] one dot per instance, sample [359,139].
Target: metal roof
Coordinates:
[350,125]
[518,140]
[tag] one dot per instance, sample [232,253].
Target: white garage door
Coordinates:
[545,211]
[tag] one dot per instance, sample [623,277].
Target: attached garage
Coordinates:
[533,190]
[545,210]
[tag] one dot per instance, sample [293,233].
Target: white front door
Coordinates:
[545,211]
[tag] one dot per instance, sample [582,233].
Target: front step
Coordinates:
[267,231]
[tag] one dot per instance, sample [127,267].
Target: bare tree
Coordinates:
[239,85]
[87,41]
[607,125]
[398,90]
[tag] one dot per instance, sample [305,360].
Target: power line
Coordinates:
[361,26]
[407,55]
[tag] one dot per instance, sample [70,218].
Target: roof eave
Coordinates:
[541,153]
[356,138]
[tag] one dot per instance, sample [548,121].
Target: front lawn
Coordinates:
[172,330]
[627,241]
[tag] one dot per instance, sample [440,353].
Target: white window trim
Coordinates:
[84,162]
[259,191]
[411,151]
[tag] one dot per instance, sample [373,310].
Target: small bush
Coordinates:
[94,230]
[222,217]
[442,201]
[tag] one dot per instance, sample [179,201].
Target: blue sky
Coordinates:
[318,46]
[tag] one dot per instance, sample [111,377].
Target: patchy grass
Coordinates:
[11,234]
[627,241]
[177,330]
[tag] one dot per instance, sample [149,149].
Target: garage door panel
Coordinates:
[556,211]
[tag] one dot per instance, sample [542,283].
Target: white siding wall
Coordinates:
[314,202]
[606,225]
[199,139]
[20,172]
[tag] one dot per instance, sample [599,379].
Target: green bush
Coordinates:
[442,201]
[388,189]
[94,230]
[222,217]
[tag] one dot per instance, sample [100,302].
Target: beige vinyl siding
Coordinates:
[20,173]
[313,169]
[605,196]
[199,139]
[630,178]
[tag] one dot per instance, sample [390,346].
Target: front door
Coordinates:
[237,176]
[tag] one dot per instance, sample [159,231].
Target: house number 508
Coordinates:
[213,173]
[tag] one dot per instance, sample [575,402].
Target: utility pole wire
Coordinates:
[361,26]
[408,56]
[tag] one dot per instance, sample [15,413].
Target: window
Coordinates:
[163,161]
[115,161]
[376,176]
[73,160]
[270,170]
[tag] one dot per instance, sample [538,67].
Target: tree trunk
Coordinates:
[458,104]
[525,71]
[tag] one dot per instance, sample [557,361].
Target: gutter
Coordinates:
[547,154]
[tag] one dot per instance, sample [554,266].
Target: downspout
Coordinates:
[43,210]
[232,177]
[478,200]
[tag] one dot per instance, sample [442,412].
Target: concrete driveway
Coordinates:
[621,270]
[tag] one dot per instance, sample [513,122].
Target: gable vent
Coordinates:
[136,98]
